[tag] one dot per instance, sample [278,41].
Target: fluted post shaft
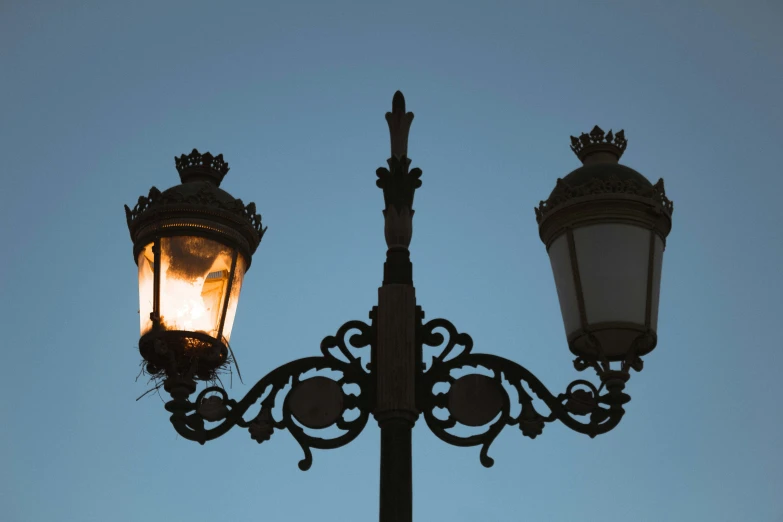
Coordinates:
[395,359]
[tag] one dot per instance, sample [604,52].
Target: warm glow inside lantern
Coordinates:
[605,228]
[193,244]
[199,291]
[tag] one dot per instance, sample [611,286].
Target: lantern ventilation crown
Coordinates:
[598,141]
[201,167]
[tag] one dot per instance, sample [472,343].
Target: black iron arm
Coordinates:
[480,400]
[473,399]
[316,403]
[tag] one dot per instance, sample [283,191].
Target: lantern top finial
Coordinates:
[589,145]
[201,167]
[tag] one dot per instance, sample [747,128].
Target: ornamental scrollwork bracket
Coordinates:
[314,403]
[479,400]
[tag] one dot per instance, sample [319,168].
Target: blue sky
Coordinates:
[98,97]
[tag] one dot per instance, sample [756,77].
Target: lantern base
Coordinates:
[176,352]
[612,341]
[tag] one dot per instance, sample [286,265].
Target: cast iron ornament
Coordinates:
[598,141]
[564,192]
[399,185]
[581,397]
[473,400]
[213,404]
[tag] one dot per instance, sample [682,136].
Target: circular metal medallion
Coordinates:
[475,399]
[316,402]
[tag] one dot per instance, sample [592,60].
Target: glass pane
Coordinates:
[193,283]
[560,258]
[233,299]
[612,261]
[656,286]
[146,286]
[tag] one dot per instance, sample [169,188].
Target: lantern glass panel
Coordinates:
[146,288]
[613,267]
[233,298]
[194,279]
[656,283]
[560,258]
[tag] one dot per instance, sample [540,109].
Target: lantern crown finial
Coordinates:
[201,167]
[598,141]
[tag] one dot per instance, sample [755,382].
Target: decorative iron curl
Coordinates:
[214,405]
[581,397]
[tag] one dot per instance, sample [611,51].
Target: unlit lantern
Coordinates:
[605,228]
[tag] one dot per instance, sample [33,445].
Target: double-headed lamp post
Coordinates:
[604,227]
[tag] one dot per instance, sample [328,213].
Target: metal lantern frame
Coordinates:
[604,193]
[397,385]
[197,208]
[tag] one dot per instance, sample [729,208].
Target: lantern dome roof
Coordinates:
[193,189]
[604,172]
[198,205]
[602,176]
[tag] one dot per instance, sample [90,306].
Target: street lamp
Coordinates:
[604,227]
[193,244]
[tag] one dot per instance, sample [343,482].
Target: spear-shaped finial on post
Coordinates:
[399,185]
[399,125]
[397,182]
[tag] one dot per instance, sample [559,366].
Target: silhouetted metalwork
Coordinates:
[214,405]
[597,140]
[399,382]
[485,399]
[399,185]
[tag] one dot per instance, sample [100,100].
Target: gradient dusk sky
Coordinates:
[99,96]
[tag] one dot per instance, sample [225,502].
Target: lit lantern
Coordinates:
[605,228]
[193,244]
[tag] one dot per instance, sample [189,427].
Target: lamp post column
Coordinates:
[395,409]
[396,360]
